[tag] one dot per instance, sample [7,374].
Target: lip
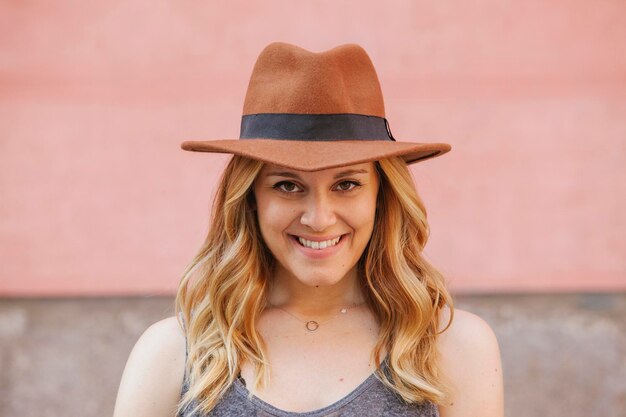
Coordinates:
[318,253]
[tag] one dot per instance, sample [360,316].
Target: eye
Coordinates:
[348,185]
[286,187]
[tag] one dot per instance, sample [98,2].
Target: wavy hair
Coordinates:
[223,291]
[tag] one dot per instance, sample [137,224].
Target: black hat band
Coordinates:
[314,127]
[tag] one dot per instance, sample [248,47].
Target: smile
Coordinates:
[318,244]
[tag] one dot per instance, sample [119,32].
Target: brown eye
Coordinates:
[348,185]
[286,187]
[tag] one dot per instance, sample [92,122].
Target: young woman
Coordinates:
[311,296]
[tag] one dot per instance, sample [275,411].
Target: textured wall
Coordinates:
[563,355]
[95,97]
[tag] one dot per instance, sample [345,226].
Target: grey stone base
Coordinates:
[563,355]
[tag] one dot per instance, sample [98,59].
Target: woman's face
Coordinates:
[316,224]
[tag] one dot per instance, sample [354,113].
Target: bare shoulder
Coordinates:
[470,360]
[466,330]
[154,372]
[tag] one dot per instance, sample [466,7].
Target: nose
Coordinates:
[318,214]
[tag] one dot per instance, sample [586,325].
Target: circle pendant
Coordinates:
[312,325]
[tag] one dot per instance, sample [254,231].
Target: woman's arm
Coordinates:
[153,376]
[470,358]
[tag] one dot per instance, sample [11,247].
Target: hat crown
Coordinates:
[290,79]
[312,111]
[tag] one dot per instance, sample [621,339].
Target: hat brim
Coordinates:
[317,155]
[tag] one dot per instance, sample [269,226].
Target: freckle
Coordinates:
[340,379]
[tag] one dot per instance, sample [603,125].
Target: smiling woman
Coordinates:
[310,295]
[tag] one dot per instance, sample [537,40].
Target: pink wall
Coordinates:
[97,199]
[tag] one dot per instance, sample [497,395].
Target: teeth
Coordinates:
[318,245]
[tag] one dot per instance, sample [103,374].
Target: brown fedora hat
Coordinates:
[310,111]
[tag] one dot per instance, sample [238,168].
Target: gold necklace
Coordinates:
[313,325]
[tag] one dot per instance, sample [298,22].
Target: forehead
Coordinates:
[357,169]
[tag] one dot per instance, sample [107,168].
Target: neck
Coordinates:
[315,300]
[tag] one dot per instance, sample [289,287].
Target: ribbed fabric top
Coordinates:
[371,398]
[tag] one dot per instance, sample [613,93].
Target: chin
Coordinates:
[319,279]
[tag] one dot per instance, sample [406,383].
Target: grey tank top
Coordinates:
[370,399]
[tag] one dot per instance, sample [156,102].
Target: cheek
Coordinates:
[367,207]
[273,217]
[361,217]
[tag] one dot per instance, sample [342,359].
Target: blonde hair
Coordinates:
[223,291]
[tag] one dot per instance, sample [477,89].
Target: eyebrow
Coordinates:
[341,174]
